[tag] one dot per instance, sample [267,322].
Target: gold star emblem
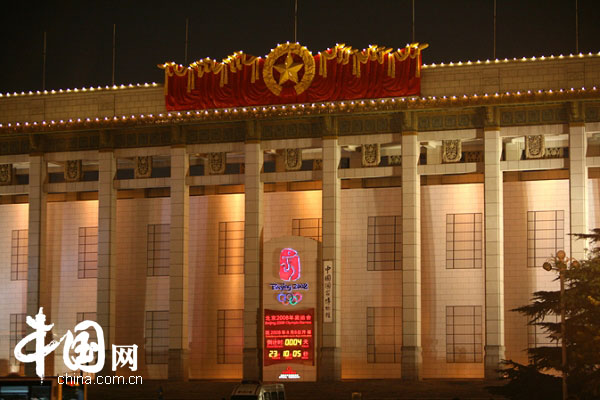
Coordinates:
[288,70]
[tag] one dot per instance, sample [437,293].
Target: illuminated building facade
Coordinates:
[430,215]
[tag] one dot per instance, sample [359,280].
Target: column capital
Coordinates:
[491,117]
[329,127]
[253,131]
[409,122]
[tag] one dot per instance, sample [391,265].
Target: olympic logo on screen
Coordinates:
[289,298]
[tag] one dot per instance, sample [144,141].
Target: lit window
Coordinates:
[18,263]
[17,332]
[231,247]
[463,334]
[463,241]
[159,249]
[384,334]
[88,252]
[545,235]
[308,227]
[384,243]
[157,337]
[537,336]
[230,336]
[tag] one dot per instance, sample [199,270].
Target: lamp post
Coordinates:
[561,266]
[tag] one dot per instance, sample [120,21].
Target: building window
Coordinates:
[384,243]
[545,235]
[18,263]
[537,335]
[157,337]
[463,334]
[88,252]
[230,336]
[159,247]
[89,316]
[384,334]
[231,247]
[308,227]
[463,240]
[17,332]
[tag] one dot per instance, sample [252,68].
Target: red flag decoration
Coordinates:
[291,74]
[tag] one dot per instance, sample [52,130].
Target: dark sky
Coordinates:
[79,33]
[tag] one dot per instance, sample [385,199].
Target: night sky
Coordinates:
[79,33]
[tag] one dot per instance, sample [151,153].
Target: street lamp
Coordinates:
[561,266]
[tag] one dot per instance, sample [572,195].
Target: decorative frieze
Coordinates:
[317,164]
[395,160]
[371,155]
[293,159]
[473,156]
[73,170]
[451,151]
[6,174]
[535,146]
[216,163]
[554,152]
[143,167]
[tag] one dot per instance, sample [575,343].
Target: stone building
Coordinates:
[434,211]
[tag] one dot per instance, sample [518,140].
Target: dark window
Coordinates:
[308,227]
[384,334]
[88,252]
[463,334]
[545,235]
[384,243]
[159,246]
[230,336]
[231,247]
[157,337]
[463,240]
[18,263]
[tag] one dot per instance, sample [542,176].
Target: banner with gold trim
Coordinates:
[290,73]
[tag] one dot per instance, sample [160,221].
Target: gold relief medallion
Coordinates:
[288,68]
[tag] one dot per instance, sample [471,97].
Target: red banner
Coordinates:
[291,74]
[289,337]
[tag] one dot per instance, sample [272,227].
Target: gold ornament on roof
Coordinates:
[288,70]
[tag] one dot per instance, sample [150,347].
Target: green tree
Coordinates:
[582,312]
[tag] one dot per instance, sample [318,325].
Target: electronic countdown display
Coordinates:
[289,337]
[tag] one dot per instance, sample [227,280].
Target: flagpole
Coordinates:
[114,53]
[44,64]
[495,30]
[576,27]
[187,25]
[295,21]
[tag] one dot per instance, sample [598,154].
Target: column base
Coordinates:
[412,363]
[330,366]
[252,370]
[493,356]
[179,365]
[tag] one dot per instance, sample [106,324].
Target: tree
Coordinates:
[582,312]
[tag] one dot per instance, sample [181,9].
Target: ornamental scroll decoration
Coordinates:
[73,170]
[535,146]
[143,167]
[6,174]
[216,163]
[293,159]
[451,151]
[371,155]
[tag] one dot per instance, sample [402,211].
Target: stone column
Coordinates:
[578,175]
[253,230]
[330,368]
[412,357]
[107,252]
[178,271]
[38,282]
[494,252]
